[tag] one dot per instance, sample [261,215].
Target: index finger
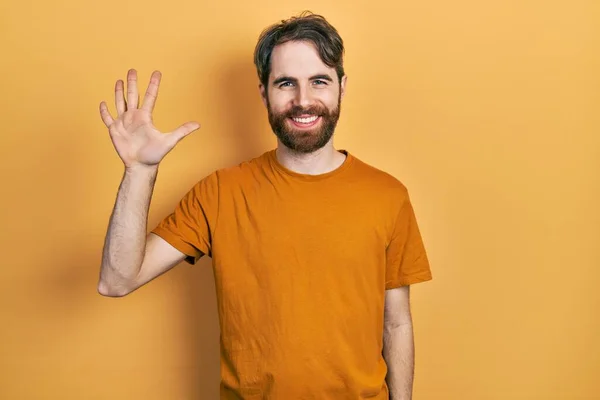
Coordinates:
[152,92]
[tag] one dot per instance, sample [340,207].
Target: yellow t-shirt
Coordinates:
[301,265]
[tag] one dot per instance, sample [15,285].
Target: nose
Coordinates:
[303,97]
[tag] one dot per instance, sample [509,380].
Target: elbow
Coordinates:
[107,290]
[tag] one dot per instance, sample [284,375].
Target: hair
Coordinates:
[306,27]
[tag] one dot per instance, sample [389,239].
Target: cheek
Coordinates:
[328,97]
[279,102]
[331,101]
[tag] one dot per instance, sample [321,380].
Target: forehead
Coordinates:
[298,60]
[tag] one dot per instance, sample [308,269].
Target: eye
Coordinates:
[285,84]
[320,82]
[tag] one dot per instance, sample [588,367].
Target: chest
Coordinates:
[316,238]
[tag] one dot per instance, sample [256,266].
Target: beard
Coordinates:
[304,140]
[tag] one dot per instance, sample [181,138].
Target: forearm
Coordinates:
[125,240]
[399,354]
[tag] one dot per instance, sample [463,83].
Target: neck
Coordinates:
[321,161]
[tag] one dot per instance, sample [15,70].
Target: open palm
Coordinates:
[133,134]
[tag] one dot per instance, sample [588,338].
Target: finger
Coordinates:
[182,132]
[132,90]
[152,92]
[105,115]
[119,98]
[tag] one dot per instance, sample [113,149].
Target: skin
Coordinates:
[300,61]
[398,343]
[132,258]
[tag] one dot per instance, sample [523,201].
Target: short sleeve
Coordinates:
[406,259]
[190,227]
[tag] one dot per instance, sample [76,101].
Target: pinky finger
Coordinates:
[105,115]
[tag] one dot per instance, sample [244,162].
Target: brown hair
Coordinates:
[304,27]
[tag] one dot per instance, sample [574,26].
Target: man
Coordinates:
[313,250]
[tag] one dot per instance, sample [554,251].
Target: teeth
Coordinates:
[306,120]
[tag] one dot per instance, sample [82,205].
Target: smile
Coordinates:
[305,122]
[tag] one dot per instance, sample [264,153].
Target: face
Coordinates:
[303,97]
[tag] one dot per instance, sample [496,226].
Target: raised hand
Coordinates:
[133,134]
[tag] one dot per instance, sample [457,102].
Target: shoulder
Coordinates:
[241,170]
[379,181]
[241,175]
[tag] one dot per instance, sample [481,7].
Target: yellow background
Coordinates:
[487,111]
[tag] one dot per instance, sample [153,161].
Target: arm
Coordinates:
[398,343]
[130,257]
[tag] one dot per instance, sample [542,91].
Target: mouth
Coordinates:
[305,121]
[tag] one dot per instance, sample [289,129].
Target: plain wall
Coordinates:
[487,111]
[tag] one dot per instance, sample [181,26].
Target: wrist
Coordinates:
[141,169]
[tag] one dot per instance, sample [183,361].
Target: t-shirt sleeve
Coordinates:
[190,227]
[407,261]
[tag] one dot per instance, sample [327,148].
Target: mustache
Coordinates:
[297,111]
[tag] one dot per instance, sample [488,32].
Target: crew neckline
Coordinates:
[272,156]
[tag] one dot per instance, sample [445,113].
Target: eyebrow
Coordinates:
[281,79]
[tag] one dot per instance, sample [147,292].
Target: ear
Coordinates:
[263,93]
[343,85]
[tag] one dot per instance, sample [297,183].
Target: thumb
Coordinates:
[182,131]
